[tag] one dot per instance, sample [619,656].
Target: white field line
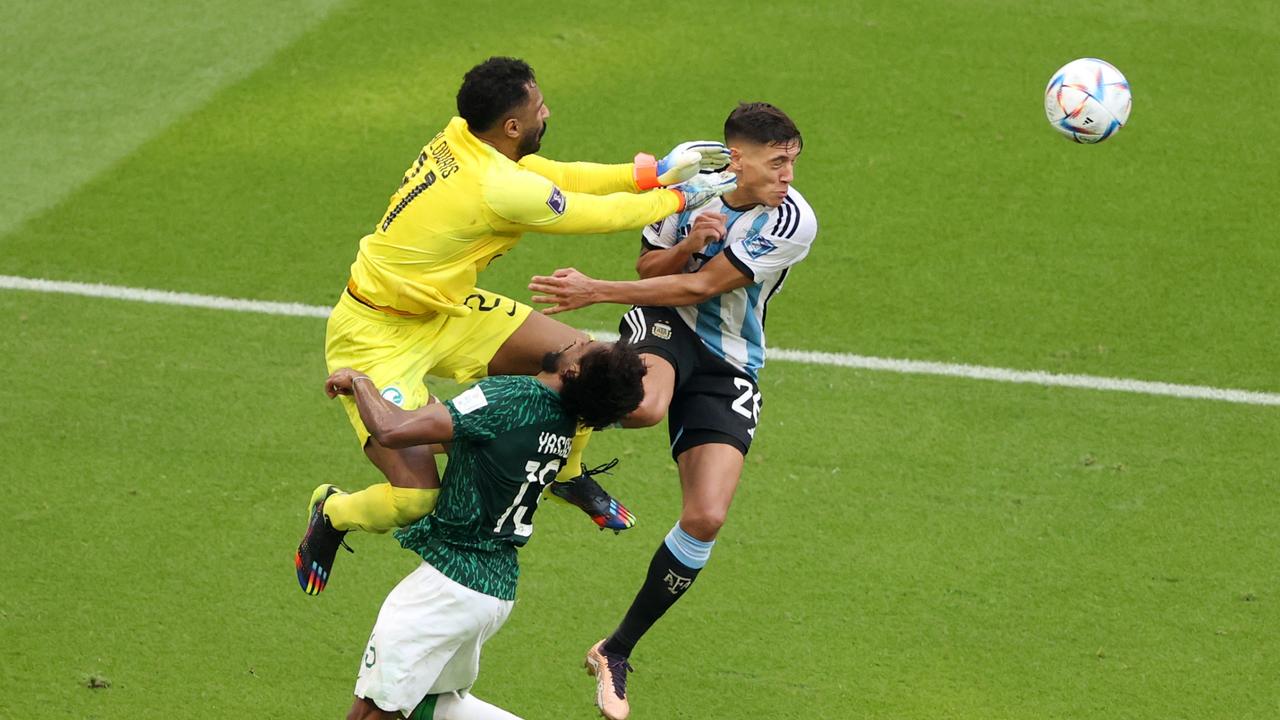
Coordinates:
[162,297]
[861,362]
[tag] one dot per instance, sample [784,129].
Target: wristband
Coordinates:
[646,171]
[679,195]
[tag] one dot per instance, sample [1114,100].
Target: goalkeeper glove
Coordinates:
[704,188]
[682,163]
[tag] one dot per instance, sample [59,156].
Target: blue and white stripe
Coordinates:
[763,242]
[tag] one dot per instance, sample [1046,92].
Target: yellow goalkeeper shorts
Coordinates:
[397,352]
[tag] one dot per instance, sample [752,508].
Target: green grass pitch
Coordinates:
[901,547]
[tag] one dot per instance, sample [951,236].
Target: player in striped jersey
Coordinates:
[708,276]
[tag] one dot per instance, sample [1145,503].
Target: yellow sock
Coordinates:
[413,504]
[573,465]
[379,508]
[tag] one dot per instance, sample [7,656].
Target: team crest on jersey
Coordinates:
[758,246]
[661,330]
[393,394]
[556,202]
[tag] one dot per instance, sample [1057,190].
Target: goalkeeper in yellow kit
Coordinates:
[411,306]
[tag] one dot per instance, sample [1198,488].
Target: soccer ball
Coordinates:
[1087,100]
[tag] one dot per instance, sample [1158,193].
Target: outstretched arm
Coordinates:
[388,424]
[523,201]
[569,289]
[584,177]
[647,172]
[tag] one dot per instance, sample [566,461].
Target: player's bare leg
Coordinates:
[409,493]
[709,476]
[538,335]
[363,709]
[411,467]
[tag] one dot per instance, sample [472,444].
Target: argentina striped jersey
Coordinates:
[763,243]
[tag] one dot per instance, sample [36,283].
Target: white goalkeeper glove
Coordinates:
[682,163]
[704,188]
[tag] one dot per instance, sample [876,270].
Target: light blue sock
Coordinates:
[689,550]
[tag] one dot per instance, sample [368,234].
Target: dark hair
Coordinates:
[607,386]
[492,89]
[761,122]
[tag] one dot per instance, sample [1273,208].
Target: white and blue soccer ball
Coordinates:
[1088,100]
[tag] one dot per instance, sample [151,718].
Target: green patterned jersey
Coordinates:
[510,437]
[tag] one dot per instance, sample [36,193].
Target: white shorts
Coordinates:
[427,640]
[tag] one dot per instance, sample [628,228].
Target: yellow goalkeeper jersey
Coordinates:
[462,204]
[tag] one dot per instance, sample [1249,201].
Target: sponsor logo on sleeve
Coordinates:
[556,202]
[470,401]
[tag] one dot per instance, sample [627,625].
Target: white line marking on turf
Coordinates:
[861,362]
[162,297]
[1032,377]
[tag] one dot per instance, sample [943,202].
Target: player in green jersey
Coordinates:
[509,436]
